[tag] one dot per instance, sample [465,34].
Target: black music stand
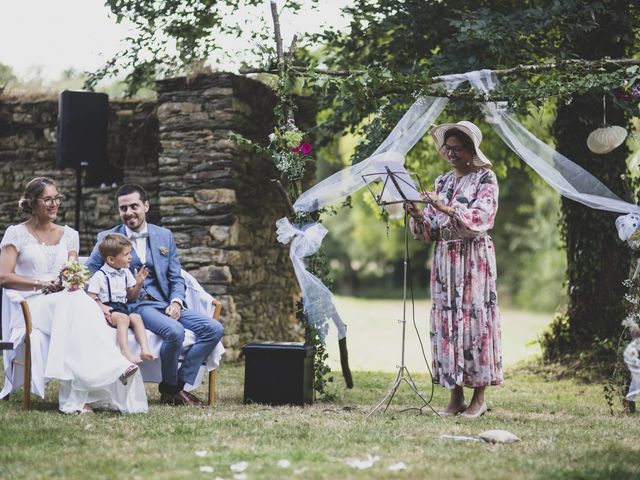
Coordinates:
[404,187]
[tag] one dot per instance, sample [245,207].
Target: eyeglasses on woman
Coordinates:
[49,201]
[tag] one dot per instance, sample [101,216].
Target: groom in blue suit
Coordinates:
[161,302]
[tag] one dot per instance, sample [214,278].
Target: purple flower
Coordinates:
[623,95]
[635,91]
[305,149]
[295,149]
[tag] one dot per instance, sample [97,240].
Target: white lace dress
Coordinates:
[79,348]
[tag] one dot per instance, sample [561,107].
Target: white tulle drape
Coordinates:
[391,152]
[567,178]
[317,300]
[563,175]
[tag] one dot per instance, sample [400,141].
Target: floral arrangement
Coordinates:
[628,93]
[73,276]
[288,152]
[287,149]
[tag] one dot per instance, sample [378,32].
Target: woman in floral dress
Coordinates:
[465,321]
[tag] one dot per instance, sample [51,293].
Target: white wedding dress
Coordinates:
[79,348]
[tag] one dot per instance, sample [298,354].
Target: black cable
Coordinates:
[413,315]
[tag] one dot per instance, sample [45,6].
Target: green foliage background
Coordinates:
[365,252]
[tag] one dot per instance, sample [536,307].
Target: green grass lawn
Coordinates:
[565,427]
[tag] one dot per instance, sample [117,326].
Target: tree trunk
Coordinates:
[598,261]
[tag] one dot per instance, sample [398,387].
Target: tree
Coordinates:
[598,261]
[177,35]
[6,76]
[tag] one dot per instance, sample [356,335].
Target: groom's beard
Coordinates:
[134,223]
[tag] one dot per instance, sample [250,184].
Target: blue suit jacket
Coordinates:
[162,248]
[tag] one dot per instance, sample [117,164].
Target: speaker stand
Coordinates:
[78,197]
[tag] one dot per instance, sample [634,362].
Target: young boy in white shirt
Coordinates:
[113,286]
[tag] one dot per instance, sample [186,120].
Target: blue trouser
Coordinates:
[208,333]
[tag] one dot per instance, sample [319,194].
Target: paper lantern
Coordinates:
[604,140]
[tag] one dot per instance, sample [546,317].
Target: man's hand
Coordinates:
[141,274]
[107,313]
[173,310]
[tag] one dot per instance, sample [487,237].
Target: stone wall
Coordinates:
[216,198]
[219,201]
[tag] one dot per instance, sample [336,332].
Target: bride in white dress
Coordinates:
[82,352]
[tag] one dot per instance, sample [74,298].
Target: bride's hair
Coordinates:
[32,191]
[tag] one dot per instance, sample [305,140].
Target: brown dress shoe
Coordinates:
[194,399]
[179,398]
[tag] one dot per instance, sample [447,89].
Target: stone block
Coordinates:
[22,118]
[204,255]
[213,274]
[170,109]
[217,92]
[224,235]
[177,201]
[218,195]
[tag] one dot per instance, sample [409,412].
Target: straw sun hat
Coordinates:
[468,128]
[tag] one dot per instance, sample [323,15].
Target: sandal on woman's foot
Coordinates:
[87,410]
[131,370]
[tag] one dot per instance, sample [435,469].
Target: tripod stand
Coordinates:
[403,374]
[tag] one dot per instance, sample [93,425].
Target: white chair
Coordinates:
[24,365]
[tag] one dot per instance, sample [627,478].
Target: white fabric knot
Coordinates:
[316,297]
[285,231]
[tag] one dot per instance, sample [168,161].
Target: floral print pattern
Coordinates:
[465,320]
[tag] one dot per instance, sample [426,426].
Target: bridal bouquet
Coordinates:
[72,277]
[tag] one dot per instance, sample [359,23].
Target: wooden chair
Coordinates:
[26,392]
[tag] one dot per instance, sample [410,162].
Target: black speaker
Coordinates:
[82,129]
[278,373]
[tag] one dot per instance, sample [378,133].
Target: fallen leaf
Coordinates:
[239,467]
[206,469]
[200,453]
[396,467]
[362,464]
[284,463]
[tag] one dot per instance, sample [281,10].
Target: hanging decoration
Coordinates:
[608,138]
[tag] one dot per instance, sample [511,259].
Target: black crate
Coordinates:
[278,373]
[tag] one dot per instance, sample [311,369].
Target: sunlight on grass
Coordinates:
[374,334]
